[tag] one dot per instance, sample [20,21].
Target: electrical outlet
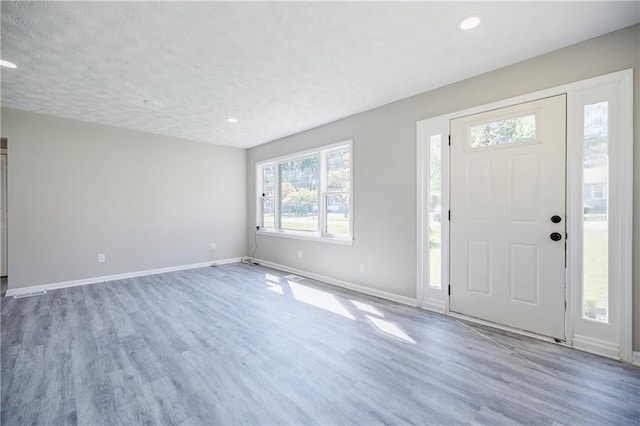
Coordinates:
[299,254]
[102,258]
[362,268]
[213,246]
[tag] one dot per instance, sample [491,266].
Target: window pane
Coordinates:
[299,195]
[338,187]
[596,215]
[339,171]
[435,211]
[337,208]
[268,177]
[503,131]
[267,212]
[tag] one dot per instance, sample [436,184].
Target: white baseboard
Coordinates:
[124,276]
[636,358]
[434,305]
[596,346]
[344,284]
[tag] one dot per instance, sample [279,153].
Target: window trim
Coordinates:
[320,234]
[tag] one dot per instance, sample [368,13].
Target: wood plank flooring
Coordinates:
[240,344]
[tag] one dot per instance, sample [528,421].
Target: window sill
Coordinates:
[308,237]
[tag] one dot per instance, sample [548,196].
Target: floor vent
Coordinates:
[33,293]
[293,277]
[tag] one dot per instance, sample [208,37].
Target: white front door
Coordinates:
[507,243]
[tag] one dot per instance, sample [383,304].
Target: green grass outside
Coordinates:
[595,217]
[435,256]
[300,223]
[595,272]
[337,224]
[268,221]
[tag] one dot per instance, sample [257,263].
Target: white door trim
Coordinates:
[621,227]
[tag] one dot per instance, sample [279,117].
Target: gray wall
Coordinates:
[385,165]
[146,201]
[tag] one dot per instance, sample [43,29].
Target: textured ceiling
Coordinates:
[279,67]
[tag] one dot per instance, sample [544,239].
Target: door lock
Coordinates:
[555,236]
[556,219]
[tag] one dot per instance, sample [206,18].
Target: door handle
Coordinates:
[555,236]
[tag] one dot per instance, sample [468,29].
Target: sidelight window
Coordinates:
[435,211]
[595,300]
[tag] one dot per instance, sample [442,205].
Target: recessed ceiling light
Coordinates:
[7,64]
[469,22]
[232,120]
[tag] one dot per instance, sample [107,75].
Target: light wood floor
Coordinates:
[239,344]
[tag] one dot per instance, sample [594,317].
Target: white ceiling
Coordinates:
[279,67]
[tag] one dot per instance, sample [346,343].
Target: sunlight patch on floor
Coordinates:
[273,283]
[366,308]
[272,278]
[318,298]
[390,328]
[275,288]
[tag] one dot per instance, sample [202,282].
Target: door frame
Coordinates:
[621,217]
